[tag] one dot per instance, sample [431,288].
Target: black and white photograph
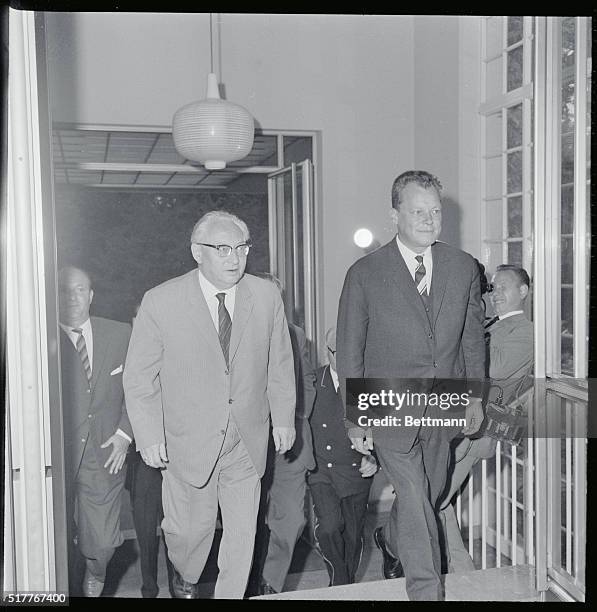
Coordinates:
[295,306]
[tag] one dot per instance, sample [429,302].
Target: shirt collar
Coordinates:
[510,314]
[209,288]
[408,254]
[86,327]
[334,376]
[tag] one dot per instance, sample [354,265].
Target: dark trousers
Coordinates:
[339,530]
[418,477]
[146,499]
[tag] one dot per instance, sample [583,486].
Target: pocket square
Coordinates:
[118,370]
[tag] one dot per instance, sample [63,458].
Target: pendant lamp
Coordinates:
[213,131]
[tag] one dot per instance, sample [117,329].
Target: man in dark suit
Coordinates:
[96,427]
[341,480]
[509,338]
[411,310]
[285,479]
[209,361]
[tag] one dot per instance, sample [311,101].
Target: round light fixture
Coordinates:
[363,238]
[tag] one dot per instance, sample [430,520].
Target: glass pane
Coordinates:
[567,205]
[515,68]
[493,220]
[515,217]
[568,41]
[297,149]
[494,36]
[515,253]
[493,256]
[567,354]
[514,126]
[514,29]
[514,172]
[493,134]
[299,269]
[567,259]
[494,80]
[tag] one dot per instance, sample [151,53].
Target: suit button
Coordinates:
[82,439]
[329,465]
[323,425]
[230,401]
[328,447]
[430,335]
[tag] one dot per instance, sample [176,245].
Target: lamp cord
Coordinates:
[211,43]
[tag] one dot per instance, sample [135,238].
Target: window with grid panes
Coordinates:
[507,48]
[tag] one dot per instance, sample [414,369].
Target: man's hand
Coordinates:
[368,466]
[155,455]
[283,438]
[474,417]
[119,447]
[362,440]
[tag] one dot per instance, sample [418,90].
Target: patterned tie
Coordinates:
[421,278]
[82,350]
[224,325]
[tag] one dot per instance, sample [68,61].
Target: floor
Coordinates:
[309,576]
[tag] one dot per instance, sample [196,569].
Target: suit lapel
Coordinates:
[243,305]
[438,281]
[400,275]
[200,314]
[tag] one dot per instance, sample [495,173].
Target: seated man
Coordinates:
[509,337]
[341,481]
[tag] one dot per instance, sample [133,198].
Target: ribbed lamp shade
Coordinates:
[213,131]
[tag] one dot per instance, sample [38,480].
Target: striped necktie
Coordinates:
[421,278]
[82,350]
[224,325]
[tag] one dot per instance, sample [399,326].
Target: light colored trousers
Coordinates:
[190,515]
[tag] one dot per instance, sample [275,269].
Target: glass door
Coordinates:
[291,229]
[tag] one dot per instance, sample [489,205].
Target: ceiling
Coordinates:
[145,159]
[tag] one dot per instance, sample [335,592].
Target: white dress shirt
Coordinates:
[411,262]
[210,291]
[510,314]
[334,376]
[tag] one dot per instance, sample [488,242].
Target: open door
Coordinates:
[290,193]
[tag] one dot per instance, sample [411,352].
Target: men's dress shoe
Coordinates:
[266,589]
[92,587]
[181,589]
[392,568]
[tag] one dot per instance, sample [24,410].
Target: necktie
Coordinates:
[224,325]
[421,278]
[82,350]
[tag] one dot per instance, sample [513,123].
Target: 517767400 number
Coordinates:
[34,598]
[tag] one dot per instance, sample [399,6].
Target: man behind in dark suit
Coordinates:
[411,310]
[97,431]
[341,480]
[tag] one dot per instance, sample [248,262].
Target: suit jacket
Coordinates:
[385,331]
[510,353]
[337,461]
[304,374]
[92,412]
[180,391]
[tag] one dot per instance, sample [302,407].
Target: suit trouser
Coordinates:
[285,518]
[146,498]
[190,515]
[339,530]
[411,533]
[94,503]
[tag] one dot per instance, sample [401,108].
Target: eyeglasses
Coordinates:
[225,249]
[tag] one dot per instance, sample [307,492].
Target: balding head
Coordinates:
[75,296]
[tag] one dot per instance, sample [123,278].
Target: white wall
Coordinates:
[349,76]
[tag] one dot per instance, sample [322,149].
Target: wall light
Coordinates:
[363,238]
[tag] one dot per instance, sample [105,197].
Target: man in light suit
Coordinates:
[285,481]
[411,310]
[509,338]
[210,358]
[96,426]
